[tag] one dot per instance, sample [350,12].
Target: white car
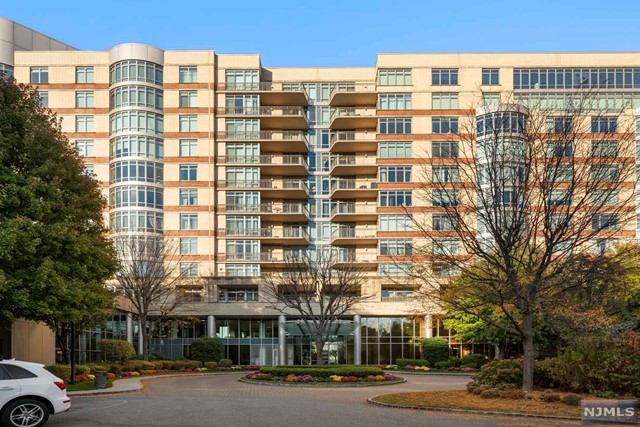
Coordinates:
[29,394]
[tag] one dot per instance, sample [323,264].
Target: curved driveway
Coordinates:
[221,400]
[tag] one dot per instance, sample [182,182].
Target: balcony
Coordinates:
[274,117]
[354,212]
[353,142]
[276,258]
[354,93]
[273,164]
[270,141]
[353,189]
[353,118]
[290,235]
[271,93]
[272,212]
[356,259]
[354,236]
[276,188]
[344,164]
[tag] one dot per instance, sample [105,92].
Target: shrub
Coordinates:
[207,349]
[435,350]
[61,371]
[500,372]
[93,367]
[571,399]
[110,375]
[178,365]
[147,366]
[549,397]
[442,365]
[474,361]
[225,363]
[512,394]
[115,369]
[605,363]
[211,365]
[193,364]
[83,370]
[325,371]
[414,362]
[490,393]
[116,350]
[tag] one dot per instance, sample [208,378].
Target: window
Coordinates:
[604,197]
[17,372]
[239,295]
[395,150]
[188,221]
[559,124]
[444,76]
[500,122]
[85,148]
[394,269]
[43,98]
[84,99]
[189,269]
[576,78]
[444,247]
[559,198]
[141,96]
[444,101]
[188,147]
[189,123]
[490,98]
[559,149]
[490,76]
[135,145]
[398,126]
[395,198]
[445,125]
[243,270]
[188,172]
[84,123]
[84,74]
[602,245]
[395,174]
[6,71]
[188,74]
[136,195]
[445,174]
[444,198]
[136,170]
[395,222]
[89,169]
[39,75]
[394,101]
[188,98]
[604,124]
[394,77]
[137,121]
[188,196]
[396,246]
[604,149]
[605,222]
[604,173]
[444,149]
[559,173]
[133,70]
[442,223]
[242,79]
[188,246]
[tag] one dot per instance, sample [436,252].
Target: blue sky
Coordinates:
[337,33]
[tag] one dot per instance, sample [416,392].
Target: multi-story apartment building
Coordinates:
[244,165]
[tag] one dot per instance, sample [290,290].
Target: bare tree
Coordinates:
[149,277]
[528,187]
[320,288]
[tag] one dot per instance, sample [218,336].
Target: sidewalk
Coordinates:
[134,384]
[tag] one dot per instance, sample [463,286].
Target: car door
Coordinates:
[28,381]
[9,388]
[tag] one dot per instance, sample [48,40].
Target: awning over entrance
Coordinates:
[338,328]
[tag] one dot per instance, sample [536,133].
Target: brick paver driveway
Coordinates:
[223,401]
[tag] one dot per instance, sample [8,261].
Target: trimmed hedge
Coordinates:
[61,371]
[193,364]
[414,362]
[474,361]
[225,363]
[116,350]
[211,365]
[207,349]
[324,371]
[435,350]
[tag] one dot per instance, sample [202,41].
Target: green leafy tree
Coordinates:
[54,253]
[209,349]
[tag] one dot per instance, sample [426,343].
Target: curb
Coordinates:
[455,374]
[372,401]
[327,384]
[139,386]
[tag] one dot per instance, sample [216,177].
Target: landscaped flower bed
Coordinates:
[335,374]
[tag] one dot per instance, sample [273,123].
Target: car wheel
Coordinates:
[25,413]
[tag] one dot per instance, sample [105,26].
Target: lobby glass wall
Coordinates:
[386,339]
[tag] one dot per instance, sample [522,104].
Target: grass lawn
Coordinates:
[461,399]
[86,385]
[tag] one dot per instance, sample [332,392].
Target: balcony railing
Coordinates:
[287,208]
[268,184]
[347,160]
[269,159]
[343,136]
[352,233]
[262,111]
[264,135]
[352,184]
[352,208]
[268,232]
[266,86]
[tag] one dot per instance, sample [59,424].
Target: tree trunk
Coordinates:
[529,352]
[319,347]
[498,351]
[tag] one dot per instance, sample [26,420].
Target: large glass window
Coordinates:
[189,269]
[84,124]
[188,98]
[188,147]
[444,76]
[444,101]
[136,196]
[133,70]
[137,220]
[394,77]
[394,125]
[137,121]
[189,123]
[576,78]
[242,79]
[140,96]
[188,221]
[442,222]
[85,147]
[136,170]
[395,198]
[395,222]
[188,196]
[43,98]
[84,74]
[242,270]
[188,74]
[604,124]
[395,174]
[604,148]
[188,246]
[604,173]
[134,145]
[444,247]
[500,122]
[39,75]
[490,76]
[444,125]
[444,198]
[84,100]
[395,247]
[445,174]
[394,101]
[605,222]
[395,150]
[188,172]
[444,149]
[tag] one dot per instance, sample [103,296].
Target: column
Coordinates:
[211,326]
[357,341]
[130,328]
[428,326]
[140,341]
[282,340]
